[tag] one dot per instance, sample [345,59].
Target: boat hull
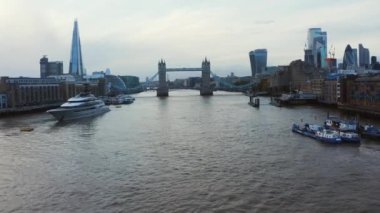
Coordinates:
[72,114]
[350,139]
[329,140]
[371,135]
[370,132]
[318,136]
[300,131]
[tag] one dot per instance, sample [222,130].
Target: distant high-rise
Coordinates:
[50,68]
[76,62]
[309,57]
[258,59]
[363,56]
[316,49]
[373,60]
[348,58]
[355,56]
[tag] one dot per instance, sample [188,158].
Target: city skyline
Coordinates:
[130,37]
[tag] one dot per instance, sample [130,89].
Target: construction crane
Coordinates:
[332,52]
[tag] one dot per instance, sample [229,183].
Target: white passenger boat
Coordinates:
[81,106]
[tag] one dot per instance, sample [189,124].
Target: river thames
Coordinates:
[184,153]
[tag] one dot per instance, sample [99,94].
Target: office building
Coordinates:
[331,64]
[309,57]
[373,60]
[50,68]
[258,59]
[363,56]
[316,48]
[130,81]
[348,58]
[355,56]
[3,101]
[76,62]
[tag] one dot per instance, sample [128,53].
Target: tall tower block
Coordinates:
[206,86]
[163,89]
[76,62]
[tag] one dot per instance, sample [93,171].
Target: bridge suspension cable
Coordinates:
[229,84]
[214,76]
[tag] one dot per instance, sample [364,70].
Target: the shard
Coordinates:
[76,63]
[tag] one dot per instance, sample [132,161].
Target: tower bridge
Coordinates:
[205,90]
[163,88]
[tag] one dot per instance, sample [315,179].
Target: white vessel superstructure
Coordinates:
[81,106]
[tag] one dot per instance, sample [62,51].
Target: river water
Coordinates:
[184,153]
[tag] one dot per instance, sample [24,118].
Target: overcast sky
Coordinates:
[130,36]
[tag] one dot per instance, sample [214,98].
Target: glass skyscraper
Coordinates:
[76,62]
[258,59]
[363,56]
[317,47]
[348,58]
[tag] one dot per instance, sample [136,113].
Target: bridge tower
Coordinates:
[206,89]
[163,89]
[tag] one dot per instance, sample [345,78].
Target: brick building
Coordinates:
[297,76]
[360,94]
[42,92]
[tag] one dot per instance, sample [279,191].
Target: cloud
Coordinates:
[264,22]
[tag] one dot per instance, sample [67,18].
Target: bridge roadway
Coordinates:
[183,69]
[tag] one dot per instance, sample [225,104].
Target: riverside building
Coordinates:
[360,94]
[24,94]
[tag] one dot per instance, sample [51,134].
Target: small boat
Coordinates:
[319,133]
[298,97]
[328,136]
[370,131]
[350,137]
[308,130]
[127,99]
[335,123]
